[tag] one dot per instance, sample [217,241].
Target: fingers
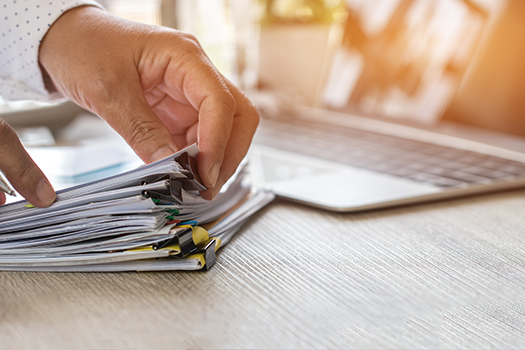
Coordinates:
[226,118]
[177,116]
[244,124]
[208,93]
[193,79]
[2,198]
[214,130]
[130,115]
[21,171]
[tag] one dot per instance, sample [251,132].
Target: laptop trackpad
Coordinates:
[329,185]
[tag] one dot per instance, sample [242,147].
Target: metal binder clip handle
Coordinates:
[189,164]
[209,254]
[186,243]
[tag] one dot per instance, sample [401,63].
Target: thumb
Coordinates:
[132,117]
[21,170]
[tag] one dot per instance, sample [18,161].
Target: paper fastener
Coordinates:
[209,254]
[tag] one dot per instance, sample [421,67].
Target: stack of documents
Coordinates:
[150,218]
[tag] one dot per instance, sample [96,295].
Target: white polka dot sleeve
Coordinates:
[23,24]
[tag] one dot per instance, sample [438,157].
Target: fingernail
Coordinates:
[162,153]
[45,193]
[213,175]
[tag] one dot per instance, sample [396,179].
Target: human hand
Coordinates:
[21,171]
[155,86]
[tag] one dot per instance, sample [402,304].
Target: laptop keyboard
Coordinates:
[420,161]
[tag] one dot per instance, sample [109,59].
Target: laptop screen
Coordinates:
[425,61]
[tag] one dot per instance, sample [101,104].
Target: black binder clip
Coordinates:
[186,243]
[209,254]
[184,240]
[172,193]
[189,166]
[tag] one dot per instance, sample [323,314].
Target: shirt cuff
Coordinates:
[23,25]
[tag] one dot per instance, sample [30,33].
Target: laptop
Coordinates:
[371,158]
[350,163]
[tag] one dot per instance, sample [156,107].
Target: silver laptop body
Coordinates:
[348,163]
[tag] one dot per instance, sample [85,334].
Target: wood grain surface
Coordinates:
[440,275]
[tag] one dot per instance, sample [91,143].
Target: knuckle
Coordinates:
[106,85]
[190,38]
[103,94]
[190,42]
[109,79]
[141,132]
[229,102]
[250,114]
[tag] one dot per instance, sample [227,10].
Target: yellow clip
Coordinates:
[200,235]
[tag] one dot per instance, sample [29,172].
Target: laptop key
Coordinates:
[418,166]
[431,151]
[433,160]
[438,171]
[382,167]
[431,179]
[402,172]
[466,177]
[401,162]
[489,173]
[454,165]
[512,169]
[453,154]
[415,156]
[446,182]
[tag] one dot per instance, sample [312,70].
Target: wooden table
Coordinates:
[441,275]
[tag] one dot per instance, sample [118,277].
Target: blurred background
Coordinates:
[417,61]
[405,59]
